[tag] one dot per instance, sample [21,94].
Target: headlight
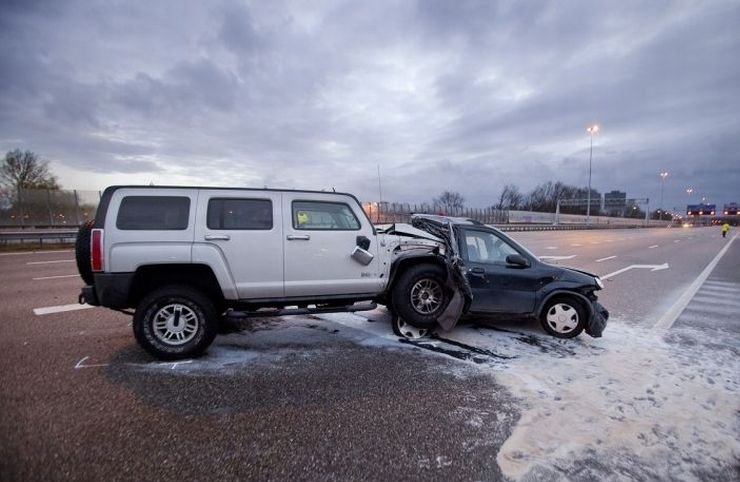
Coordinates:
[599,283]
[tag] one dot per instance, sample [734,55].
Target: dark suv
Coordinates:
[506,280]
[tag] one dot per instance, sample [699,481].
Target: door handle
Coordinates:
[479,273]
[217,237]
[298,237]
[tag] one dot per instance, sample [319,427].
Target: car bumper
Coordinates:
[597,321]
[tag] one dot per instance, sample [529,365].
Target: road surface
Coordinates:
[340,398]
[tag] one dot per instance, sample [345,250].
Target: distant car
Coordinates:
[507,281]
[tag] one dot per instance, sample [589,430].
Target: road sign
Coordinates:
[701,209]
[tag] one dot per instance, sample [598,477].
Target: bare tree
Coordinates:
[511,198]
[450,201]
[24,170]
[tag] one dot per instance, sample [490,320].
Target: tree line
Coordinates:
[544,198]
[24,170]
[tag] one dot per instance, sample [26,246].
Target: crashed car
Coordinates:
[490,276]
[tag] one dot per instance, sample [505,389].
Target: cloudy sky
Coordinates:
[459,95]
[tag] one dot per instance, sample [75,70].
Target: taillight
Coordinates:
[96,249]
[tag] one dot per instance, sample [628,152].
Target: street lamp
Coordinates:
[663,175]
[591,130]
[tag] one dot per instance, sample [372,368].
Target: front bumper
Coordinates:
[597,322]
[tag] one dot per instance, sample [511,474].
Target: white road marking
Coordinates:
[576,245]
[52,262]
[49,310]
[653,246]
[670,316]
[80,364]
[604,259]
[651,267]
[56,277]
[551,247]
[676,240]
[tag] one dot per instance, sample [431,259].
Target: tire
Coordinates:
[82,252]
[405,330]
[420,296]
[563,317]
[159,329]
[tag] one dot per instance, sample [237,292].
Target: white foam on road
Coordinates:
[642,404]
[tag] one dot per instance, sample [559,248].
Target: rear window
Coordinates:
[239,214]
[153,213]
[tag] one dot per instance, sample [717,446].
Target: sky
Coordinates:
[408,98]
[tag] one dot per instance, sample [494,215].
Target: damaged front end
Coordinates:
[597,321]
[434,240]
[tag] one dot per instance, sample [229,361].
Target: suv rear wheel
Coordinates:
[563,317]
[420,296]
[175,322]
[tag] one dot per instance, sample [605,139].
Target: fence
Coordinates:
[28,208]
[386,213]
[32,208]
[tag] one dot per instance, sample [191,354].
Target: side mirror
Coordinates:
[517,260]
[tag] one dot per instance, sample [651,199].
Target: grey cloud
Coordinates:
[465,96]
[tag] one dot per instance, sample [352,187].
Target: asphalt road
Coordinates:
[340,398]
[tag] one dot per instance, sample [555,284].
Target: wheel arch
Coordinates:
[405,262]
[582,299]
[198,276]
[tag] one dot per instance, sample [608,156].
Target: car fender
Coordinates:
[212,257]
[410,258]
[587,304]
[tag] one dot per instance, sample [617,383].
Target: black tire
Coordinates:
[563,317]
[82,252]
[159,329]
[405,330]
[420,296]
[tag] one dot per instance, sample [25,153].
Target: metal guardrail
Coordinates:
[40,237]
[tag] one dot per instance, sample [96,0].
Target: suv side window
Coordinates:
[235,213]
[323,215]
[153,213]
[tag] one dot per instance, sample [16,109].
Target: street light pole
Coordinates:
[591,130]
[663,175]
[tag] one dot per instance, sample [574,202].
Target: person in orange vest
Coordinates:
[725,229]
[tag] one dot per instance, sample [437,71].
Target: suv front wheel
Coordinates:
[175,322]
[420,296]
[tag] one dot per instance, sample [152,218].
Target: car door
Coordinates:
[321,231]
[498,286]
[241,230]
